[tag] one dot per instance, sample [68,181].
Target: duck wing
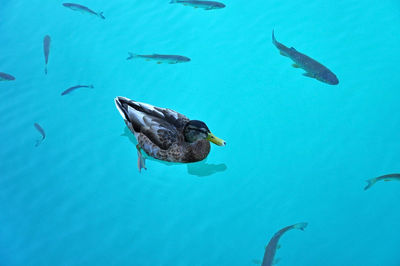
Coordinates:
[162,126]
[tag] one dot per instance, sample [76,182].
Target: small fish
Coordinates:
[389,177]
[46,48]
[83,9]
[6,77]
[169,59]
[313,68]
[76,87]
[273,245]
[207,5]
[40,129]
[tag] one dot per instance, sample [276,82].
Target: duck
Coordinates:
[165,134]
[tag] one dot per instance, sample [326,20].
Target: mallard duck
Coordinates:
[165,134]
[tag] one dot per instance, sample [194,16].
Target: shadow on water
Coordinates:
[200,169]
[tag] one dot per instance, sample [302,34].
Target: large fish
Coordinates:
[83,9]
[76,87]
[207,5]
[160,58]
[313,68]
[41,131]
[389,177]
[6,77]
[46,48]
[272,246]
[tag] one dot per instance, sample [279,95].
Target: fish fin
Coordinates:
[292,48]
[308,75]
[132,56]
[387,180]
[141,159]
[45,70]
[259,262]
[173,1]
[101,15]
[159,62]
[196,7]
[295,65]
[276,261]
[370,182]
[282,53]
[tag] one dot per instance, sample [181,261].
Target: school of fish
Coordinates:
[313,69]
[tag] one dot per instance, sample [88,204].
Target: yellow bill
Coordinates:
[215,140]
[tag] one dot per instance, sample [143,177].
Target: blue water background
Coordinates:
[297,149]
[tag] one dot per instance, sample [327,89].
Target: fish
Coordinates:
[273,244]
[389,177]
[83,9]
[313,68]
[160,58]
[207,5]
[40,129]
[6,77]
[76,87]
[46,48]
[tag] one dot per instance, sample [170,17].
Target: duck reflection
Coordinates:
[200,169]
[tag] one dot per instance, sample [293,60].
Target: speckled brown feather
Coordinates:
[159,132]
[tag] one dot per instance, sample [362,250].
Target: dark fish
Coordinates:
[6,77]
[76,87]
[207,5]
[389,177]
[46,48]
[83,9]
[272,246]
[313,68]
[160,58]
[40,129]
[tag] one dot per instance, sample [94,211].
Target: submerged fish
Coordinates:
[313,68]
[207,5]
[160,58]
[389,177]
[272,246]
[76,87]
[40,129]
[6,77]
[83,9]
[46,48]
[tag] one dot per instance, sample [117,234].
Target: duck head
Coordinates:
[197,130]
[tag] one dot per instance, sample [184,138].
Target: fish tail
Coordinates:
[38,142]
[370,182]
[101,15]
[173,1]
[132,56]
[45,69]
[300,226]
[273,38]
[91,86]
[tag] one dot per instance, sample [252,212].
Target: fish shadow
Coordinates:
[199,169]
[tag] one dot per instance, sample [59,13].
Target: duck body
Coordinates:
[160,132]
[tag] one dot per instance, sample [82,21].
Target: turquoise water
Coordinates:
[298,150]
